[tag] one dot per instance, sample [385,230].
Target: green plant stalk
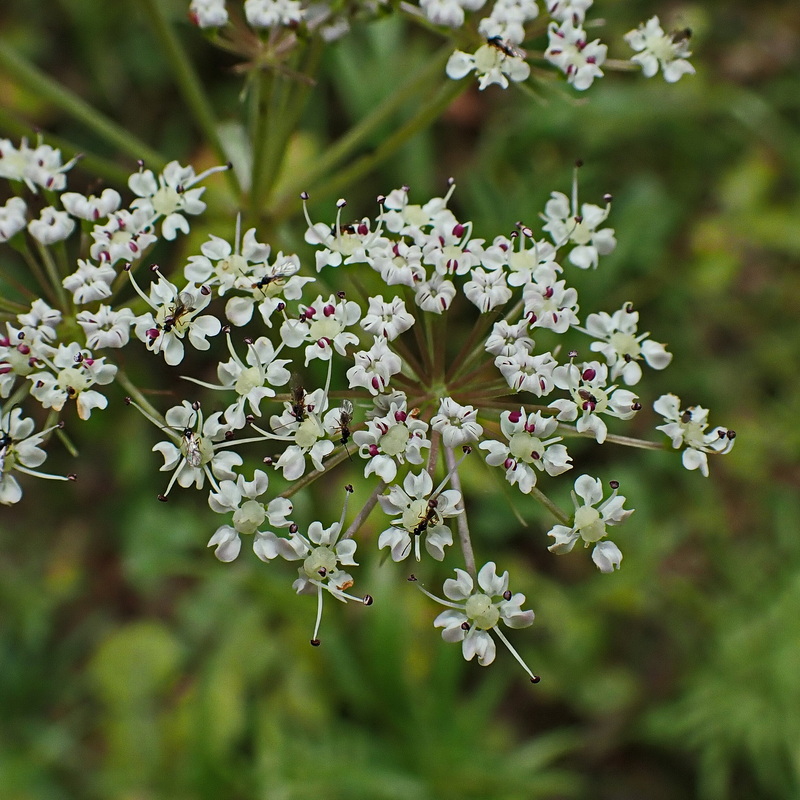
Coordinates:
[47,89]
[189,84]
[351,140]
[627,441]
[461,520]
[53,275]
[287,114]
[36,270]
[542,498]
[287,204]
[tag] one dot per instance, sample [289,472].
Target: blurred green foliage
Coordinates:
[134,666]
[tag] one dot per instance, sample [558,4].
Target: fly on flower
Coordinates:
[298,401]
[506,48]
[682,35]
[275,277]
[345,418]
[184,304]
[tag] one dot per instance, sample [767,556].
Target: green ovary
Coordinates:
[480,610]
[320,562]
[626,345]
[326,328]
[248,380]
[249,517]
[522,446]
[394,442]
[165,201]
[589,524]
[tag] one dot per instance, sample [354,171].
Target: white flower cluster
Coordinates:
[394,391]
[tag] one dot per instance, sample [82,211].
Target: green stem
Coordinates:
[53,275]
[427,113]
[353,139]
[45,88]
[560,515]
[627,441]
[137,395]
[188,82]
[461,520]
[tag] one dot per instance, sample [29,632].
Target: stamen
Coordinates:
[502,638]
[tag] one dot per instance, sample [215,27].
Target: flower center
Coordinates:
[589,524]
[248,380]
[523,446]
[625,344]
[307,433]
[393,443]
[73,379]
[248,518]
[324,328]
[320,562]
[166,200]
[480,610]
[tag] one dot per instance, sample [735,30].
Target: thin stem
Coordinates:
[365,511]
[45,88]
[433,455]
[41,278]
[140,399]
[628,441]
[52,274]
[560,515]
[461,519]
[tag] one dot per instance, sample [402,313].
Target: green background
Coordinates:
[134,666]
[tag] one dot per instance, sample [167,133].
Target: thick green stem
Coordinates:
[427,113]
[185,76]
[560,515]
[45,88]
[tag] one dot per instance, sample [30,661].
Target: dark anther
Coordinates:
[154,268]
[465,626]
[381,199]
[60,423]
[614,484]
[341,295]
[579,162]
[629,308]
[367,601]
[506,595]
[268,460]
[466,449]
[205,291]
[536,679]
[341,202]
[349,488]
[451,181]
[315,642]
[250,419]
[128,401]
[72,476]
[293,528]
[196,405]
[162,498]
[322,572]
[304,195]
[226,329]
[412,578]
[607,197]
[229,435]
[731,434]
[637,406]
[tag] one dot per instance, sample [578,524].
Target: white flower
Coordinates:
[451,251]
[124,237]
[563,10]
[506,338]
[528,447]
[457,424]
[52,226]
[89,282]
[492,64]
[91,208]
[550,304]
[569,51]
[591,397]
[20,450]
[656,48]
[507,20]
[323,324]
[208,13]
[13,218]
[195,451]
[177,316]
[374,367]
[408,219]
[170,196]
[419,515]
[323,554]
[249,516]
[387,319]
[566,223]
[271,13]
[435,295]
[528,373]
[591,519]
[71,373]
[106,327]
[487,290]
[473,612]
[449,12]
[396,437]
[621,346]
[688,429]
[36,166]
